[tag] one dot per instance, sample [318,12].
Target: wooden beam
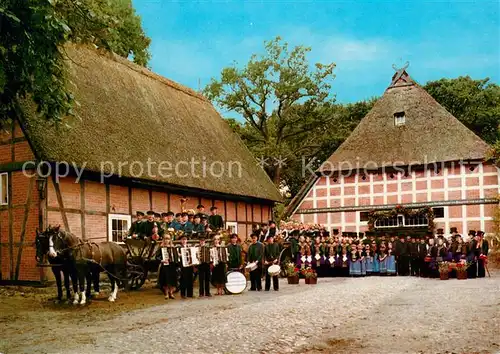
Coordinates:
[150,199]
[168,201]
[23,227]
[236,211]
[15,166]
[11,226]
[13,141]
[225,212]
[60,202]
[82,207]
[108,205]
[130,200]
[78,211]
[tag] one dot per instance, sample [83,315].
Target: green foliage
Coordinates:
[109,24]
[31,63]
[476,103]
[494,153]
[31,48]
[281,99]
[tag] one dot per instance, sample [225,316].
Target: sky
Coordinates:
[193,41]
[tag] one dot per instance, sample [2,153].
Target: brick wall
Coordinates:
[454,182]
[18,219]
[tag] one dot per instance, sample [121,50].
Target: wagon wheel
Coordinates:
[137,275]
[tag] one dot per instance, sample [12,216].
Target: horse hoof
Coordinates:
[57,302]
[111,299]
[68,302]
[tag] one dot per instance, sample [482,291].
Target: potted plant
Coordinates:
[292,273]
[444,270]
[461,269]
[310,275]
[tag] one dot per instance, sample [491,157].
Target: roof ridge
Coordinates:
[141,70]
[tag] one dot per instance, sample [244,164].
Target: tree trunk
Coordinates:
[277,175]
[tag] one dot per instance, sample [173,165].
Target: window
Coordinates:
[438,212]
[399,118]
[4,196]
[402,221]
[232,227]
[118,227]
[363,216]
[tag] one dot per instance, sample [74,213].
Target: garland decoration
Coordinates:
[426,212]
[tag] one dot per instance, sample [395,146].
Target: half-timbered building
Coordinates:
[143,142]
[408,153]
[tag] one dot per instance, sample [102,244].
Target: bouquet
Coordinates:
[444,267]
[309,273]
[462,266]
[291,270]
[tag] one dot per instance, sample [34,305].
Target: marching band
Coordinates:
[310,246]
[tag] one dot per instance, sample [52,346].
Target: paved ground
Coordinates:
[365,315]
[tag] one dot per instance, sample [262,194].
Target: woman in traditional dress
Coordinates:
[383,259]
[362,258]
[376,261]
[355,265]
[391,260]
[368,259]
[219,271]
[300,261]
[168,268]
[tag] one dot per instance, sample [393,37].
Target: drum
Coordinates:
[274,270]
[251,266]
[236,282]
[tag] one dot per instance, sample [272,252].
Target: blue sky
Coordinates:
[193,41]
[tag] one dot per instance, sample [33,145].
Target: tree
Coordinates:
[281,99]
[476,103]
[31,48]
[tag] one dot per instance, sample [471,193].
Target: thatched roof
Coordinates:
[430,133]
[130,114]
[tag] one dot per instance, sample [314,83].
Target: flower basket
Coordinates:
[444,270]
[311,280]
[310,275]
[461,275]
[293,279]
[291,270]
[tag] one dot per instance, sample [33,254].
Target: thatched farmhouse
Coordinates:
[126,119]
[406,156]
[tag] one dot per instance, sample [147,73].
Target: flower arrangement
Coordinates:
[444,267]
[462,266]
[291,270]
[309,273]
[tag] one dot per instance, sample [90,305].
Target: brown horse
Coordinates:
[90,258]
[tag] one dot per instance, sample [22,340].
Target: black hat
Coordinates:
[271,222]
[204,217]
[163,215]
[170,213]
[157,215]
[453,230]
[150,212]
[197,216]
[139,213]
[233,236]
[199,206]
[335,231]
[479,233]
[360,234]
[472,232]
[440,232]
[213,208]
[253,235]
[184,213]
[178,214]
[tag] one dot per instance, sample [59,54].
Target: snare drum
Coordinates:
[251,266]
[236,282]
[274,270]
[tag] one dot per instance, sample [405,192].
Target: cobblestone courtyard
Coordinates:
[367,315]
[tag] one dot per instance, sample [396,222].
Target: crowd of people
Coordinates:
[364,254]
[310,246]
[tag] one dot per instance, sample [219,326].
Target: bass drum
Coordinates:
[236,282]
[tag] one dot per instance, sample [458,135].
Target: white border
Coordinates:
[232,224]
[117,217]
